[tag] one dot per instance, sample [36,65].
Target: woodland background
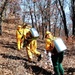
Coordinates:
[57,16]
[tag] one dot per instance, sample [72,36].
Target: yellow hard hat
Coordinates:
[19,26]
[48,32]
[50,36]
[24,26]
[24,23]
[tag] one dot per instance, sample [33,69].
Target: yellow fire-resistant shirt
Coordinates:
[19,33]
[25,32]
[49,45]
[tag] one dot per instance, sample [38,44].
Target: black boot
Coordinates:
[39,58]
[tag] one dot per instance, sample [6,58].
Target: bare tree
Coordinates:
[63,18]
[34,1]
[48,6]
[73,15]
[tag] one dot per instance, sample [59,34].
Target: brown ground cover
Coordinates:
[14,62]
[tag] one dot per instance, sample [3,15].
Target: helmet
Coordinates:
[19,26]
[24,25]
[48,32]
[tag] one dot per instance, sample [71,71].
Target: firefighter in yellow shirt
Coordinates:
[31,46]
[19,34]
[56,58]
[48,42]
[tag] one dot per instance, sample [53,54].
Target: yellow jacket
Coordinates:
[25,32]
[33,42]
[49,45]
[19,33]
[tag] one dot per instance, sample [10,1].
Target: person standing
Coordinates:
[19,34]
[57,58]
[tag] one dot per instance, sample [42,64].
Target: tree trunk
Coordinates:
[23,18]
[42,29]
[49,2]
[64,19]
[0,26]
[73,16]
[35,16]
[31,17]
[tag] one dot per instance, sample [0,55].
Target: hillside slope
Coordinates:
[14,62]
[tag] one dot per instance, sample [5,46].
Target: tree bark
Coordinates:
[31,17]
[0,26]
[35,16]
[73,16]
[64,19]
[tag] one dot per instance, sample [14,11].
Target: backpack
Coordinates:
[34,33]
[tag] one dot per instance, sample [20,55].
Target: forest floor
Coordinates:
[14,62]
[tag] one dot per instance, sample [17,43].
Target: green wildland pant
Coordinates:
[57,63]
